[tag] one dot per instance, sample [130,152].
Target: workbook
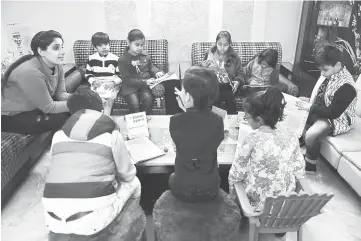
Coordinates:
[165,77]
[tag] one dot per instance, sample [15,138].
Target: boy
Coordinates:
[197,134]
[102,71]
[91,175]
[332,106]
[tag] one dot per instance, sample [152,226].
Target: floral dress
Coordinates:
[267,165]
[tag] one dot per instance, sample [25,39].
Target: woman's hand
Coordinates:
[235,85]
[302,105]
[206,63]
[159,74]
[306,99]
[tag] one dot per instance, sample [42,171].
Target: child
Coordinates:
[197,134]
[137,71]
[261,72]
[102,71]
[332,110]
[227,65]
[91,175]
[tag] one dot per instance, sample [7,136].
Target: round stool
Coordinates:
[130,224]
[176,220]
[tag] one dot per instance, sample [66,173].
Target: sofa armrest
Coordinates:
[73,80]
[292,89]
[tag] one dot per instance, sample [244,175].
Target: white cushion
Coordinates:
[350,141]
[354,158]
[350,172]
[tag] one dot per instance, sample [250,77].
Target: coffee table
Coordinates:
[159,133]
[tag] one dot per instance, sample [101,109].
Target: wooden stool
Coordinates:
[129,225]
[177,220]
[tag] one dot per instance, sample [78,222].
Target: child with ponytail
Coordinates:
[269,159]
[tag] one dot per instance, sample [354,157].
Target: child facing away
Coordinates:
[102,71]
[138,72]
[269,160]
[91,175]
[197,133]
[332,108]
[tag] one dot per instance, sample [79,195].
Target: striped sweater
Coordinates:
[88,163]
[103,68]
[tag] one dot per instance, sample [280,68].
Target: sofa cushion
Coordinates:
[350,141]
[354,158]
[12,145]
[157,49]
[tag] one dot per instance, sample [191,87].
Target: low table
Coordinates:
[159,133]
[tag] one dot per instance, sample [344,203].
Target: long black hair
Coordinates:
[231,54]
[268,105]
[41,40]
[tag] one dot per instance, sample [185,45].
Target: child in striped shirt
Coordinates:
[102,71]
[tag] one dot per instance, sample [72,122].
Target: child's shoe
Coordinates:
[310,168]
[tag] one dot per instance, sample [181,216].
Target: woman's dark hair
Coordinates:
[84,98]
[202,84]
[41,40]
[270,56]
[328,55]
[100,38]
[268,105]
[135,34]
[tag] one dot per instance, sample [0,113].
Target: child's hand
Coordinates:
[206,63]
[301,105]
[304,99]
[96,83]
[159,74]
[180,103]
[235,86]
[176,91]
[150,81]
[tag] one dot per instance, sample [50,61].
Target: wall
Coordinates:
[181,22]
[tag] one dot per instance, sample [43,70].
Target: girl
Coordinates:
[261,71]
[33,88]
[269,159]
[136,70]
[227,65]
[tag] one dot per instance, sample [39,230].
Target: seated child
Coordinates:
[261,71]
[102,71]
[197,133]
[332,108]
[137,70]
[91,175]
[269,160]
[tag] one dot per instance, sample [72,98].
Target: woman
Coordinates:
[33,88]
[269,160]
[227,65]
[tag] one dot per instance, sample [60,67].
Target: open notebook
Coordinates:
[142,149]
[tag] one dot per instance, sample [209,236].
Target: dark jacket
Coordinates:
[132,80]
[197,135]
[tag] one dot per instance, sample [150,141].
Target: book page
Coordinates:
[142,149]
[165,77]
[294,119]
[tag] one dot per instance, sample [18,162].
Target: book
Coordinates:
[165,77]
[136,125]
[223,114]
[142,149]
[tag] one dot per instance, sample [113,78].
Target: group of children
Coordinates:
[94,188]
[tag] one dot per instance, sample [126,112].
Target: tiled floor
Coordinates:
[22,219]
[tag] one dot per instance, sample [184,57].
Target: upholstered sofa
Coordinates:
[158,51]
[343,152]
[20,152]
[246,51]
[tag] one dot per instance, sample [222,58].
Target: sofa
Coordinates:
[20,152]
[343,152]
[246,51]
[158,51]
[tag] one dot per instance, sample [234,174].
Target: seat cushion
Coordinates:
[176,220]
[350,169]
[128,225]
[12,145]
[358,88]
[354,158]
